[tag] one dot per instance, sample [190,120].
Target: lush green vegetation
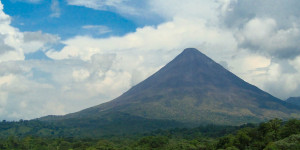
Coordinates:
[110,125]
[272,135]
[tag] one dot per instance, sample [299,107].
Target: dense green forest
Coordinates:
[272,135]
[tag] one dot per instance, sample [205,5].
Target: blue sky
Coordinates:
[69,21]
[61,56]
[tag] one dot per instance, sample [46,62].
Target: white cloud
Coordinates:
[14,44]
[204,9]
[10,38]
[65,86]
[177,34]
[6,80]
[34,41]
[257,30]
[4,19]
[80,75]
[264,36]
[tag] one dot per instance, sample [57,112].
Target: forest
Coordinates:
[271,135]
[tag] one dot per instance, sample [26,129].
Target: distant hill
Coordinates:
[294,100]
[192,89]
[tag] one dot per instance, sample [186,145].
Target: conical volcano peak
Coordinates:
[191,56]
[190,50]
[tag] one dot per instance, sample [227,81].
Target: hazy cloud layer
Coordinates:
[257,40]
[122,6]
[137,10]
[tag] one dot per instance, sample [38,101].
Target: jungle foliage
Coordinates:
[271,135]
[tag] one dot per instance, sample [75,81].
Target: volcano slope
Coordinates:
[294,100]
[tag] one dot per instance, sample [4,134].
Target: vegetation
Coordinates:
[272,135]
[110,125]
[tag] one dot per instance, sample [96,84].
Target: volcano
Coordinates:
[192,89]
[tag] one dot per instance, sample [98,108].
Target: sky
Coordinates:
[62,56]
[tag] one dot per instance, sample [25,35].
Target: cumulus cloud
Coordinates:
[239,12]
[204,9]
[34,41]
[16,74]
[10,39]
[263,35]
[59,86]
[174,35]
[3,46]
[14,44]
[5,19]
[268,27]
